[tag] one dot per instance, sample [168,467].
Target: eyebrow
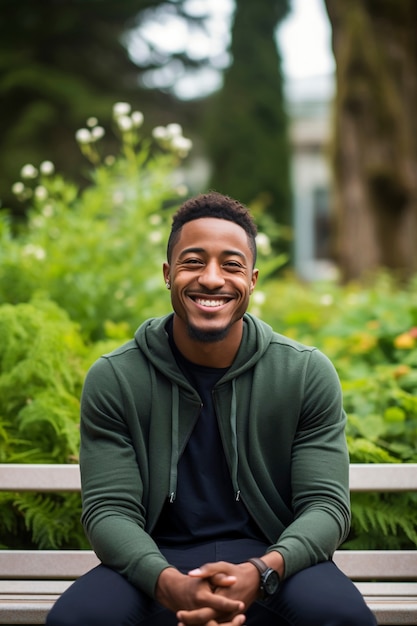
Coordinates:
[203,250]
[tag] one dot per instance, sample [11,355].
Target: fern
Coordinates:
[52,520]
[383,521]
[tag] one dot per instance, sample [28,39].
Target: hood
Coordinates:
[152,339]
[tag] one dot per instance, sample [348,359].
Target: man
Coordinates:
[213,458]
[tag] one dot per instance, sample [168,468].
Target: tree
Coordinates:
[62,61]
[375,143]
[247,131]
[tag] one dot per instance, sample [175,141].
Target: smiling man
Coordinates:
[211,270]
[213,458]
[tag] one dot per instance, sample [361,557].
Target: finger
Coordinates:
[222,580]
[219,579]
[204,615]
[209,569]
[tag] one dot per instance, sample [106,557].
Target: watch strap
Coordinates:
[259,564]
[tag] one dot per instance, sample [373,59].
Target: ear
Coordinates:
[254,280]
[166,271]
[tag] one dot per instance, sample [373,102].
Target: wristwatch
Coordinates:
[269,578]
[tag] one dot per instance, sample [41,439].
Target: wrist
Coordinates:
[275,560]
[168,580]
[267,576]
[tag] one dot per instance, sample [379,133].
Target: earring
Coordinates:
[168,284]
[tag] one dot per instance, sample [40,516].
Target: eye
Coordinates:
[233,265]
[192,261]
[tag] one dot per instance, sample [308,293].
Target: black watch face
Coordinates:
[271,582]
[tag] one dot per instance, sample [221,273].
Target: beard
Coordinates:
[207,336]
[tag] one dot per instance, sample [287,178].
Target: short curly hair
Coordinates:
[213,204]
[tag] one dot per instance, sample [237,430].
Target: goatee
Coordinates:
[207,336]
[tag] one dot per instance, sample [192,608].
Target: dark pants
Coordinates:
[320,595]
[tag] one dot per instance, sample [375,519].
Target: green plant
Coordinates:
[98,254]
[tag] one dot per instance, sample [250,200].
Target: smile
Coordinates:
[212,302]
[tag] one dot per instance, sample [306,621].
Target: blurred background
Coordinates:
[302,108]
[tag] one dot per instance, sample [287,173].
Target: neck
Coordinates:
[211,354]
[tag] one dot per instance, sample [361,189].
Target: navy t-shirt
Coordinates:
[205,508]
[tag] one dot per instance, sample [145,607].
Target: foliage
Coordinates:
[98,254]
[46,90]
[370,334]
[68,294]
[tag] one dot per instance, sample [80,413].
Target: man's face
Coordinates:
[211,275]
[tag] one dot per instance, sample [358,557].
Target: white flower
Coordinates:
[182,190]
[118,197]
[174,130]
[258,297]
[18,188]
[263,243]
[155,219]
[155,236]
[121,108]
[83,135]
[326,299]
[181,145]
[35,251]
[97,133]
[159,133]
[28,171]
[91,122]
[137,119]
[47,210]
[124,123]
[41,193]
[47,168]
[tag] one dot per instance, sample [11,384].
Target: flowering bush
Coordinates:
[98,254]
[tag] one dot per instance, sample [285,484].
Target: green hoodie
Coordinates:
[281,420]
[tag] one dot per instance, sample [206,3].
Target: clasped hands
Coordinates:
[213,594]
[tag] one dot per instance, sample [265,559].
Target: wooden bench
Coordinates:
[31,580]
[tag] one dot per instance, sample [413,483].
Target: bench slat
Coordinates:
[392,612]
[44,564]
[21,477]
[383,477]
[378,564]
[388,590]
[30,587]
[69,564]
[34,610]
[44,477]
[27,612]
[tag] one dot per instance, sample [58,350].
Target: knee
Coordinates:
[357,615]
[63,615]
[58,617]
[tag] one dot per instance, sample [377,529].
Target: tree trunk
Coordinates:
[375,138]
[247,131]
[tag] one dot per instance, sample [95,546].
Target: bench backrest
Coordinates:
[358,565]
[362,477]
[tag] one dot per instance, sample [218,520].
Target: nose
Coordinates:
[211,276]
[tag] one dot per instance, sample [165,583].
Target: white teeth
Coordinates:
[211,303]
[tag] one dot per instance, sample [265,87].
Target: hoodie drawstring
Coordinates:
[175,445]
[174,442]
[233,430]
